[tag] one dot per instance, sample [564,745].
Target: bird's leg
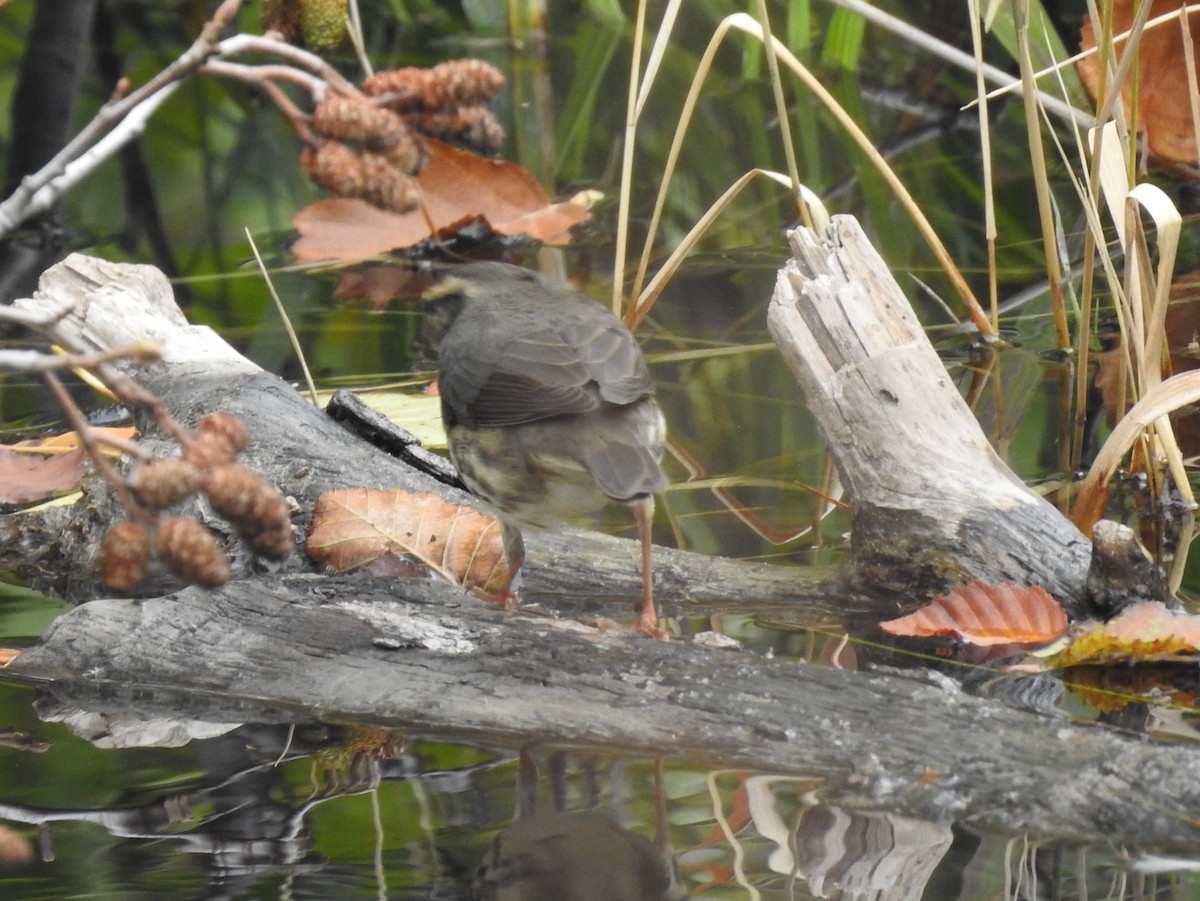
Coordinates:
[514,556]
[643,513]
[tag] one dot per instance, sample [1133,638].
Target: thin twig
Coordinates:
[17,208]
[87,439]
[36,361]
[287,322]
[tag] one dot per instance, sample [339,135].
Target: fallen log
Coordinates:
[417,654]
[306,453]
[435,660]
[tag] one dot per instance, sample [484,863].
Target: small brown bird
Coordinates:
[547,402]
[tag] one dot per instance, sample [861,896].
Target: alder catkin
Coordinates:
[474,126]
[228,426]
[323,23]
[448,85]
[124,553]
[257,509]
[163,483]
[192,552]
[350,118]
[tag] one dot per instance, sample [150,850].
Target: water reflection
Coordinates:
[320,811]
[564,855]
[582,856]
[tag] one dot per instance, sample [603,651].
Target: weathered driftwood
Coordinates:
[418,654]
[436,660]
[933,504]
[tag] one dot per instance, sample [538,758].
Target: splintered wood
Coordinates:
[931,500]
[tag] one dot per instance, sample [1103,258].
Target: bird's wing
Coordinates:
[523,379]
[610,356]
[567,367]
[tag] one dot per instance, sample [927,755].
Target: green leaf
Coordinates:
[843,41]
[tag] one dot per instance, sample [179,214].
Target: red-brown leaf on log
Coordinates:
[32,471]
[357,527]
[987,614]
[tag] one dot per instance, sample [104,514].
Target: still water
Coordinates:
[323,811]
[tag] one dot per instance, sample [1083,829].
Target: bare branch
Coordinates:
[124,117]
[36,361]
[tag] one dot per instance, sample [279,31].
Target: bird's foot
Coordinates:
[647,626]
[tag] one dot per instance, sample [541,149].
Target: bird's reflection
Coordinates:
[560,855]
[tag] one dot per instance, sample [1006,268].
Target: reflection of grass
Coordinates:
[25,614]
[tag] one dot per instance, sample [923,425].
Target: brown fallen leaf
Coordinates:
[1145,631]
[355,527]
[458,189]
[1164,107]
[14,847]
[32,471]
[26,478]
[987,614]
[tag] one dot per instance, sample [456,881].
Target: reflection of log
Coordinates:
[423,655]
[932,502]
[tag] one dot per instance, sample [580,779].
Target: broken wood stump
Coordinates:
[932,503]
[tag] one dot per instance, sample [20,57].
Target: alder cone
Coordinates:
[376,127]
[471,125]
[274,544]
[354,119]
[368,176]
[208,450]
[461,82]
[403,149]
[335,167]
[192,552]
[124,553]
[244,497]
[258,509]
[387,187]
[448,85]
[228,426]
[163,483]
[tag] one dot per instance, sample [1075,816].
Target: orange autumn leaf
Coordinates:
[14,847]
[356,527]
[1164,107]
[1143,632]
[32,471]
[27,478]
[458,189]
[987,614]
